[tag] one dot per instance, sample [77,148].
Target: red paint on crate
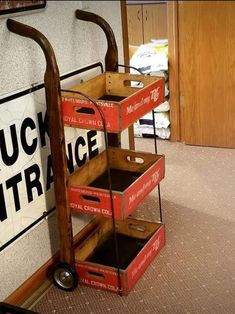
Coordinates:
[117,115]
[123,202]
[142,102]
[100,207]
[91,120]
[99,277]
[145,257]
[106,278]
[143,186]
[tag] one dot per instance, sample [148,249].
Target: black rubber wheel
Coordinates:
[65,277]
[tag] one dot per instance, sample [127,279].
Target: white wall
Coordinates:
[76,44]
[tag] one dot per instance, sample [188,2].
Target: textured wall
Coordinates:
[76,43]
[22,64]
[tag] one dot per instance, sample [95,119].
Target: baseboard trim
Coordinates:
[19,296]
[40,279]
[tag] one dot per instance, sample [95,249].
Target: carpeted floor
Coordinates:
[195,271]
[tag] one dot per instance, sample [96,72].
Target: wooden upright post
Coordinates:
[57,138]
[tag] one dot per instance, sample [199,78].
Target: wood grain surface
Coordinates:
[207,72]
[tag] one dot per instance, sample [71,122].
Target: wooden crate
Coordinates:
[121,102]
[95,257]
[133,175]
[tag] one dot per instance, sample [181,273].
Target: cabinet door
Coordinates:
[207,72]
[155,21]
[135,24]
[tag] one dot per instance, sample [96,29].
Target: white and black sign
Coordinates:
[26,184]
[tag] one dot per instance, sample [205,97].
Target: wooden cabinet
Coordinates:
[207,72]
[135,24]
[155,21]
[146,22]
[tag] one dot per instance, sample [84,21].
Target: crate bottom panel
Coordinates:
[120,179]
[128,248]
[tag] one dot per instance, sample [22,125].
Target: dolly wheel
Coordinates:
[65,277]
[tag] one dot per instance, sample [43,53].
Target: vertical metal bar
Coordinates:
[154,132]
[159,202]
[155,146]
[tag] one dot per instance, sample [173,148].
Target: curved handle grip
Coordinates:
[111,57]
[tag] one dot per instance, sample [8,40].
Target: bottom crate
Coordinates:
[138,243]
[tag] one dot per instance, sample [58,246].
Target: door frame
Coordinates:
[173,55]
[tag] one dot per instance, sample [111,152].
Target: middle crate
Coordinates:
[133,176]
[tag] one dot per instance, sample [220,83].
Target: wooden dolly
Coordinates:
[65,275]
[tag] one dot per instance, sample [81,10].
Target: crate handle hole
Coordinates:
[137,160]
[90,198]
[137,227]
[95,274]
[136,84]
[84,110]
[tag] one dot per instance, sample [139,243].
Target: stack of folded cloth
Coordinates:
[152,59]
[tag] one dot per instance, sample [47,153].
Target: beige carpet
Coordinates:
[195,271]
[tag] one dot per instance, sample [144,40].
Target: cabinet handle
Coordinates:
[146,15]
[138,15]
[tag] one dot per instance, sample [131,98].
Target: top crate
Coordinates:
[123,98]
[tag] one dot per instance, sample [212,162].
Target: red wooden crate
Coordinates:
[146,239]
[121,102]
[134,175]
